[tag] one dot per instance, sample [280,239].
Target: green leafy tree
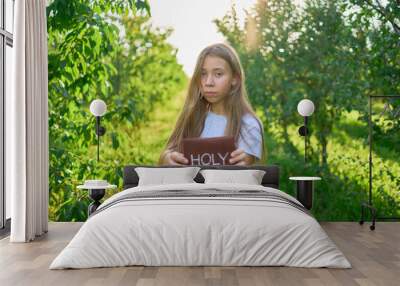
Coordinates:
[336,53]
[94,52]
[297,53]
[328,66]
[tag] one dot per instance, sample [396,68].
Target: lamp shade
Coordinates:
[305,107]
[98,107]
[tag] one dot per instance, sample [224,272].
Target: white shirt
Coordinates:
[250,139]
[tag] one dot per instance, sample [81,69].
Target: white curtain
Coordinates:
[27,135]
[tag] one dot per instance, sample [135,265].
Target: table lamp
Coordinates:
[98,108]
[306,109]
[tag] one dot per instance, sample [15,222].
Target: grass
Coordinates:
[153,135]
[346,177]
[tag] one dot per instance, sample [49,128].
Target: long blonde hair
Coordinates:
[190,122]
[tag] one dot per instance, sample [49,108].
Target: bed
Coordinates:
[201,224]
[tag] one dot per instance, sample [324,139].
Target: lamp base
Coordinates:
[305,191]
[96,195]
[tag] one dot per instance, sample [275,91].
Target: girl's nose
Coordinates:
[209,80]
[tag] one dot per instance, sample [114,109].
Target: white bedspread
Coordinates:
[200,231]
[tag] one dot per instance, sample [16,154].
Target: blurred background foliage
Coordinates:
[336,53]
[107,50]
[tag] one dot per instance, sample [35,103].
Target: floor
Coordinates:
[374,255]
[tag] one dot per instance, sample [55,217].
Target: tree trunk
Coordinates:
[324,153]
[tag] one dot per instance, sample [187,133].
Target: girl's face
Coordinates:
[216,79]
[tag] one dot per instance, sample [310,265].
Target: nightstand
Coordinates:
[305,189]
[97,190]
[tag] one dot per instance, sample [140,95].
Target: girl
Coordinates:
[217,105]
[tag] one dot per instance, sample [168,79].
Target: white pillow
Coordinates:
[163,176]
[249,177]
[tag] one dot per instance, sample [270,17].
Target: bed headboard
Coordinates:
[270,179]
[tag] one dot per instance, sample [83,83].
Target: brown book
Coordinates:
[209,151]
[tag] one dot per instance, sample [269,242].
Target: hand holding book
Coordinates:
[174,158]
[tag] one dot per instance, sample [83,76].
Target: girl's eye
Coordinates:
[218,74]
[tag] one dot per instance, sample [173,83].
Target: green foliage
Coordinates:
[379,25]
[100,49]
[299,53]
[335,53]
